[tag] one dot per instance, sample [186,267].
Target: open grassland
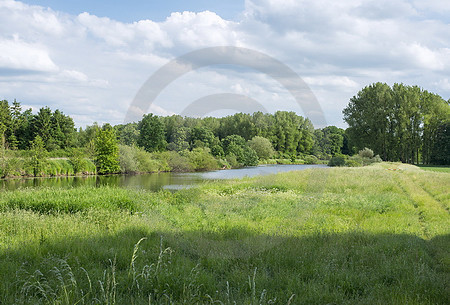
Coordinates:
[374,235]
[443,169]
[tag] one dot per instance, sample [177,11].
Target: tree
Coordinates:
[201,137]
[25,129]
[63,130]
[106,151]
[441,149]
[5,121]
[236,146]
[129,134]
[43,126]
[367,115]
[38,156]
[151,133]
[398,123]
[262,146]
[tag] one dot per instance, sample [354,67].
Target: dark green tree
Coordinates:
[201,137]
[236,146]
[151,133]
[42,126]
[440,153]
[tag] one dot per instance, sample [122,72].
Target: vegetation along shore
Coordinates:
[398,123]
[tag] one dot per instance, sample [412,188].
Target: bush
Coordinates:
[202,160]
[232,160]
[78,161]
[366,153]
[177,162]
[310,159]
[337,160]
[284,161]
[353,163]
[127,159]
[249,158]
[377,159]
[262,146]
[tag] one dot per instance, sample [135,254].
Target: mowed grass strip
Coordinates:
[343,235]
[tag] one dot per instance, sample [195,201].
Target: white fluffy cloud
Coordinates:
[92,67]
[19,56]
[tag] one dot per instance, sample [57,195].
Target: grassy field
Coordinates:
[443,169]
[373,235]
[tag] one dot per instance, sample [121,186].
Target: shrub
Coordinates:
[262,146]
[249,158]
[366,153]
[202,160]
[232,160]
[217,151]
[353,163]
[337,160]
[310,159]
[127,159]
[148,162]
[77,161]
[377,159]
[177,162]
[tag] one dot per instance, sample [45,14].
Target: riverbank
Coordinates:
[368,235]
[16,168]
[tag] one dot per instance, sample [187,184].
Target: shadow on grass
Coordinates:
[227,267]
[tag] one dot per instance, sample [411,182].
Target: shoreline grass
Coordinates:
[369,235]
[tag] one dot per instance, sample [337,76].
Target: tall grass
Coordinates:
[17,167]
[369,235]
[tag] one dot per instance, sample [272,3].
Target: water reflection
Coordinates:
[154,182]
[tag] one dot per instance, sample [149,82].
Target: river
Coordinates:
[155,181]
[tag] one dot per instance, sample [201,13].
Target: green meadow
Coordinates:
[373,235]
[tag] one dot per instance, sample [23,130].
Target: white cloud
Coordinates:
[202,29]
[342,82]
[22,57]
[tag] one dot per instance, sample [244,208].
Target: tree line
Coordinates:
[400,123]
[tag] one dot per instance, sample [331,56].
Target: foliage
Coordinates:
[366,153]
[106,151]
[151,133]
[440,151]
[353,162]
[329,141]
[310,159]
[236,146]
[149,163]
[38,157]
[399,123]
[177,162]
[337,160]
[127,159]
[78,161]
[201,159]
[128,134]
[262,146]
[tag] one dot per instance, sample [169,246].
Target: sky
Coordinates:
[91,58]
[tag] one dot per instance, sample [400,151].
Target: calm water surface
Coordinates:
[154,182]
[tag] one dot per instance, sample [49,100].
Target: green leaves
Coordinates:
[152,134]
[106,151]
[398,123]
